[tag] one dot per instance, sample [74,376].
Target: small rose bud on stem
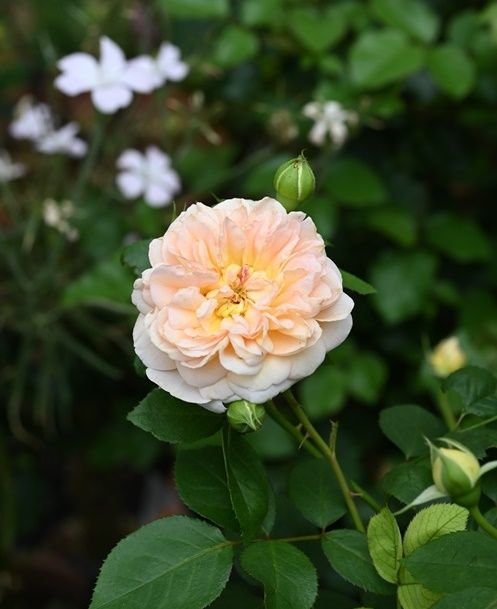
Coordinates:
[245,416]
[294,182]
[456,473]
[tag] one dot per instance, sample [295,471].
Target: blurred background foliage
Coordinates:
[407,203]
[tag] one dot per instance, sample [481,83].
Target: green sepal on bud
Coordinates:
[245,416]
[294,182]
[456,473]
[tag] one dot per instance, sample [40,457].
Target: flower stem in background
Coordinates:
[283,422]
[446,410]
[482,521]
[366,497]
[95,145]
[330,455]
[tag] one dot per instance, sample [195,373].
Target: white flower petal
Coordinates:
[141,75]
[172,382]
[130,184]
[338,310]
[150,355]
[305,362]
[130,159]
[157,196]
[79,74]
[109,99]
[335,332]
[112,59]
[208,374]
[169,63]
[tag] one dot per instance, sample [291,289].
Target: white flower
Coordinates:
[146,73]
[9,170]
[108,79]
[149,174]
[330,118]
[57,215]
[32,121]
[169,63]
[63,141]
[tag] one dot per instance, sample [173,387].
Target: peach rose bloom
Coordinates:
[240,302]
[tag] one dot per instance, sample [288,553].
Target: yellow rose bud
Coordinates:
[294,182]
[456,473]
[245,416]
[447,357]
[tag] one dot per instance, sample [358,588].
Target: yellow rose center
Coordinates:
[234,300]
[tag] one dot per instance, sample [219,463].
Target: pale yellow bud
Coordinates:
[447,357]
[456,473]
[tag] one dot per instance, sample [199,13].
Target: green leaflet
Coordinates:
[288,576]
[385,544]
[171,420]
[161,565]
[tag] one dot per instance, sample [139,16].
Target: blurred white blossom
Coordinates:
[149,174]
[146,73]
[63,141]
[169,64]
[32,120]
[9,170]
[330,118]
[109,80]
[57,215]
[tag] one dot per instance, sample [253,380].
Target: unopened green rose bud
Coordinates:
[245,416]
[456,473]
[294,182]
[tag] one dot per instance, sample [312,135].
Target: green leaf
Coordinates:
[195,9]
[135,256]
[396,224]
[272,442]
[317,31]
[413,595]
[452,69]
[411,16]
[366,376]
[288,576]
[235,595]
[333,600]
[171,420]
[455,562]
[378,58]
[407,426]
[324,393]
[202,485]
[385,544]
[473,385]
[459,238]
[234,46]
[403,282]
[433,522]
[348,554]
[172,563]
[407,480]
[247,483]
[315,491]
[108,285]
[351,282]
[472,598]
[261,12]
[355,183]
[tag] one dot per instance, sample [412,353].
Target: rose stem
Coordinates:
[446,410]
[276,415]
[330,455]
[482,521]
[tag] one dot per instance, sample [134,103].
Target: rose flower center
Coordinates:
[232,294]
